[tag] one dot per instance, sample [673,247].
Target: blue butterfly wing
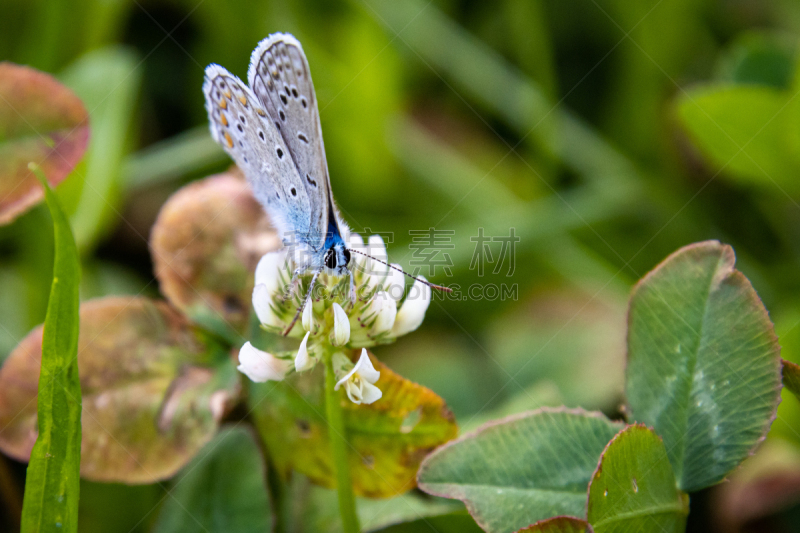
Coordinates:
[241,125]
[280,78]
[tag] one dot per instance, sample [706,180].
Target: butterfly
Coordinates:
[271,129]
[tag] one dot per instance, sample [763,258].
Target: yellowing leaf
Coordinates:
[388,439]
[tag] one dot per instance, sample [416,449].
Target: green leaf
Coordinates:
[743,132]
[207,269]
[516,471]
[761,58]
[118,508]
[154,390]
[319,511]
[387,439]
[52,483]
[223,490]
[13,308]
[703,362]
[791,377]
[41,121]
[634,489]
[457,522]
[559,524]
[108,81]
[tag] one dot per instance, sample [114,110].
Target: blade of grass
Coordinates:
[483,75]
[52,481]
[470,189]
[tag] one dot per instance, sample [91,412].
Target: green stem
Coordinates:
[336,433]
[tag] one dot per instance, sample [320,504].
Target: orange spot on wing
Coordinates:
[223,104]
[261,112]
[227,94]
[243,100]
[223,119]
[229,140]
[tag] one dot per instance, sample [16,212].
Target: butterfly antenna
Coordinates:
[428,283]
[303,305]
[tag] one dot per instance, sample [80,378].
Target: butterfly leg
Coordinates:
[308,297]
[294,284]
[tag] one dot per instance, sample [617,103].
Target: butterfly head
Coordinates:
[336,259]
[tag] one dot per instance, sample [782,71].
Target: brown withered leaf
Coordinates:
[388,439]
[42,122]
[154,391]
[206,244]
[767,484]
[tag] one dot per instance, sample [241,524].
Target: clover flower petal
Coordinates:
[302,360]
[360,381]
[412,312]
[394,284]
[375,271]
[356,242]
[386,313]
[268,267]
[370,393]
[261,366]
[262,303]
[308,317]
[341,326]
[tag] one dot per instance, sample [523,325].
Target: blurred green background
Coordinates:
[607,133]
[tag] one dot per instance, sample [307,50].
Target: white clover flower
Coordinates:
[330,319]
[261,366]
[376,317]
[359,383]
